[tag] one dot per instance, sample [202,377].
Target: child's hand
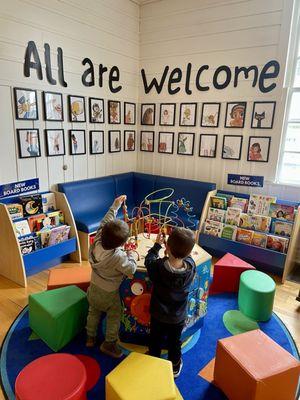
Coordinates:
[119,200]
[160,239]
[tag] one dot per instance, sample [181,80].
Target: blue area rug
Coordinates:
[18,351]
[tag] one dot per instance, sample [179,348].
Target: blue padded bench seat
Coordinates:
[90,198]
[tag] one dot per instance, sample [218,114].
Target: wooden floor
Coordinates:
[14,298]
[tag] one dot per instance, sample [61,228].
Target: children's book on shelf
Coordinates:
[229,232]
[277,243]
[282,211]
[56,218]
[22,227]
[259,204]
[226,196]
[244,235]
[32,204]
[260,223]
[44,236]
[282,228]
[36,222]
[48,201]
[245,221]
[233,216]
[213,228]
[238,202]
[15,210]
[219,202]
[259,239]
[59,234]
[215,214]
[29,243]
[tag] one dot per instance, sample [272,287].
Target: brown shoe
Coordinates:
[111,349]
[90,341]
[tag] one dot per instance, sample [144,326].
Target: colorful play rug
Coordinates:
[21,347]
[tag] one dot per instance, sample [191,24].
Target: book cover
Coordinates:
[226,196]
[245,221]
[259,204]
[32,204]
[15,210]
[253,205]
[27,244]
[259,239]
[59,234]
[219,202]
[213,228]
[244,236]
[56,218]
[233,216]
[229,232]
[282,228]
[36,222]
[277,243]
[22,227]
[282,211]
[215,214]
[266,203]
[44,237]
[48,201]
[238,202]
[260,223]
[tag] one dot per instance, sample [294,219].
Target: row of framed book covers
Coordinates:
[259,221]
[37,222]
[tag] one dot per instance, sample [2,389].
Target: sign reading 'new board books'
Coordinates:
[245,180]
[18,188]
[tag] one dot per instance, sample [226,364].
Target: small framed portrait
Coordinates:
[77,108]
[29,143]
[114,112]
[232,147]
[114,141]
[129,113]
[259,148]
[185,144]
[53,106]
[208,146]
[147,114]
[210,115]
[167,114]
[235,114]
[77,142]
[96,142]
[129,140]
[166,142]
[26,104]
[263,114]
[147,141]
[96,108]
[188,112]
[55,142]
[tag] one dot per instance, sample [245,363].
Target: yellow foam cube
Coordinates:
[140,376]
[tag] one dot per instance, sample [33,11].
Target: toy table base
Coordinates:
[136,294]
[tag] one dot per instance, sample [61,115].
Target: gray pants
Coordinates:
[108,302]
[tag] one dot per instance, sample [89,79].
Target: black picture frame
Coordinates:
[20,147]
[215,148]
[48,152]
[91,118]
[72,153]
[126,104]
[178,144]
[240,137]
[237,103]
[159,142]
[110,140]
[46,115]
[202,111]
[142,147]
[36,117]
[195,114]
[273,115]
[110,120]
[91,141]
[126,141]
[70,96]
[257,138]
[161,116]
[150,106]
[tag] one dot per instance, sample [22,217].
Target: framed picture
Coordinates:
[167,114]
[114,141]
[77,141]
[208,146]
[235,114]
[96,142]
[147,114]
[210,115]
[53,106]
[129,140]
[187,115]
[26,104]
[232,147]
[263,114]
[114,112]
[96,108]
[259,148]
[129,113]
[55,142]
[185,144]
[76,108]
[166,142]
[28,143]
[147,141]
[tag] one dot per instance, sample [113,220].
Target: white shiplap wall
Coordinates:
[105,31]
[215,32]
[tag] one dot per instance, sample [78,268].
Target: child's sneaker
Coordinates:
[111,349]
[90,341]
[177,368]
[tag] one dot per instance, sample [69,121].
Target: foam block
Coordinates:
[227,273]
[251,366]
[78,276]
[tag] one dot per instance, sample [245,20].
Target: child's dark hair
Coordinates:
[181,242]
[114,234]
